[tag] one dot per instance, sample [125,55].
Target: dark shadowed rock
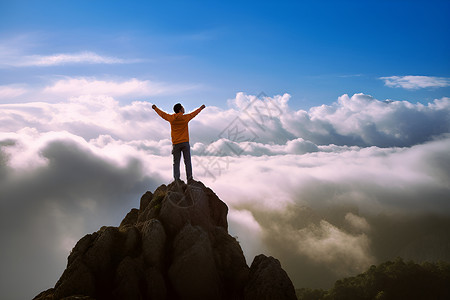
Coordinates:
[131,218]
[192,249]
[77,279]
[132,241]
[156,285]
[129,280]
[145,200]
[267,280]
[230,262]
[175,246]
[194,204]
[151,204]
[153,243]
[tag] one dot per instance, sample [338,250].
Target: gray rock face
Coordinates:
[175,246]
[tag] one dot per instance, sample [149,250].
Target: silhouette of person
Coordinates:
[179,132]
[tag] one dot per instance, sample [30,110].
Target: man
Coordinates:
[180,137]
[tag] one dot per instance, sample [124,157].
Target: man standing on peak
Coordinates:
[180,137]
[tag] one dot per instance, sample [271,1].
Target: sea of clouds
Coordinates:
[328,191]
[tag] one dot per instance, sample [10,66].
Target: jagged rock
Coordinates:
[131,245]
[230,262]
[145,200]
[151,204]
[267,280]
[77,279]
[129,279]
[46,295]
[81,247]
[78,297]
[192,249]
[175,246]
[130,219]
[192,204]
[153,243]
[156,285]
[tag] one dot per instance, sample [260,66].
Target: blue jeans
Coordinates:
[176,151]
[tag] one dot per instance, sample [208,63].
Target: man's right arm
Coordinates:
[162,114]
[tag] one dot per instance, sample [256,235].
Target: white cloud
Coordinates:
[364,121]
[416,82]
[244,227]
[373,178]
[356,222]
[87,161]
[344,253]
[84,57]
[224,147]
[88,117]
[73,87]
[11,91]
[251,128]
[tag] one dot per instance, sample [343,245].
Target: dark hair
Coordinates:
[177,107]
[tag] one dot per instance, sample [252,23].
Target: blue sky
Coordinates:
[313,50]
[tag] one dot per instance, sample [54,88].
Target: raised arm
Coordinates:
[161,113]
[196,112]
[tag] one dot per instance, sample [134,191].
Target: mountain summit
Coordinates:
[175,246]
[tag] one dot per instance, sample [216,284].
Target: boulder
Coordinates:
[130,219]
[77,279]
[193,204]
[230,262]
[153,243]
[129,280]
[156,286]
[267,280]
[193,272]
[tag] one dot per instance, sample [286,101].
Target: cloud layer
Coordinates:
[416,82]
[73,87]
[359,120]
[14,58]
[328,191]
[68,58]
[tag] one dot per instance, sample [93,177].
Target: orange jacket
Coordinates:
[178,124]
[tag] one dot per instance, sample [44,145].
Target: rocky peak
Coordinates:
[175,246]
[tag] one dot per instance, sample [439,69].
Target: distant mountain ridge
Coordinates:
[175,246]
